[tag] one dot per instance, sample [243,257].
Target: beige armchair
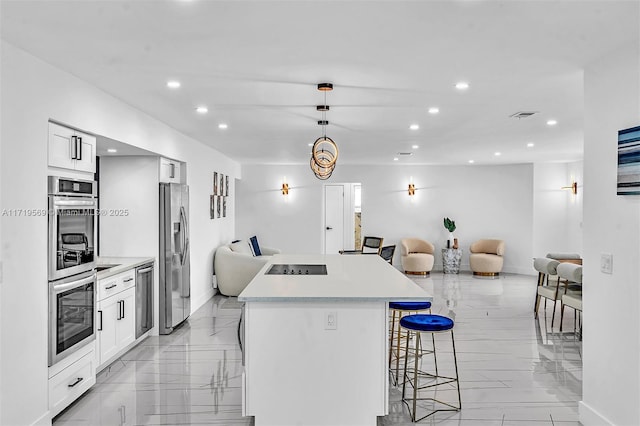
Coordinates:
[485,257]
[235,266]
[417,256]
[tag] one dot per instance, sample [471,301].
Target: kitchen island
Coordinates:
[316,346]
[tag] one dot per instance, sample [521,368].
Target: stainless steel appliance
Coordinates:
[72,226]
[71,315]
[175,286]
[144,299]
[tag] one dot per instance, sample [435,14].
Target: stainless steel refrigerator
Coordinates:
[175,286]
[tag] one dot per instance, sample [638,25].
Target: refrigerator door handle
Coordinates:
[185,235]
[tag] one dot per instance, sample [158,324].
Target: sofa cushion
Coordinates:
[255,247]
[240,247]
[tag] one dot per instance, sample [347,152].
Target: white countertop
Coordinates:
[349,278]
[122,264]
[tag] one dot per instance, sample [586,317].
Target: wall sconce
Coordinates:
[285,188]
[573,187]
[412,190]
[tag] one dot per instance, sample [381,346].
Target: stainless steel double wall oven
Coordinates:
[73,210]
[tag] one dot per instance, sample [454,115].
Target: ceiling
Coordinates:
[255,65]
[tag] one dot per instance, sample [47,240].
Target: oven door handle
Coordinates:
[73,284]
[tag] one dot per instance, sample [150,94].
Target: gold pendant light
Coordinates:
[324,153]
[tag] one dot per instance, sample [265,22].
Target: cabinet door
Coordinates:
[127,325]
[86,161]
[108,312]
[61,146]
[176,172]
[169,171]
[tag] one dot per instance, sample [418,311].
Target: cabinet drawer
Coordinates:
[116,283]
[66,386]
[108,286]
[127,279]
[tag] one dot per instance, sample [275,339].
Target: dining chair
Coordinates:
[387,252]
[372,245]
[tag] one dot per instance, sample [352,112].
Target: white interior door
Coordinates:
[333,219]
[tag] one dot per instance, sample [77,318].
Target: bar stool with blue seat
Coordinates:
[437,383]
[399,310]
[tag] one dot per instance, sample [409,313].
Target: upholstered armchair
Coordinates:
[485,257]
[417,256]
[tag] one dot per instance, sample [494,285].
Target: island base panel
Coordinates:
[298,370]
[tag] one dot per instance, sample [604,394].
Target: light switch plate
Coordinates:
[606,263]
[331,320]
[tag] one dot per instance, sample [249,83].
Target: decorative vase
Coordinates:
[451,241]
[455,243]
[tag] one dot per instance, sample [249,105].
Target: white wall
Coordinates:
[485,202]
[131,184]
[611,347]
[557,213]
[32,93]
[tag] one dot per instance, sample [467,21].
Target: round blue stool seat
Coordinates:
[423,322]
[410,306]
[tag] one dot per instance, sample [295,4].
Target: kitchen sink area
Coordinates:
[106,266]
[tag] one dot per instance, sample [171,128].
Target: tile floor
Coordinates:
[514,370]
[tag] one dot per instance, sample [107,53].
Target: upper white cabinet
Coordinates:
[71,149]
[169,171]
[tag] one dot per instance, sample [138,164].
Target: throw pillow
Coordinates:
[240,247]
[255,248]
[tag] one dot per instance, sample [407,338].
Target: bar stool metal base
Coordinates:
[396,339]
[434,382]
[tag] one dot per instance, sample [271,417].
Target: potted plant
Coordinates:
[450,225]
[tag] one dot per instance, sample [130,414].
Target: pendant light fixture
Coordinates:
[324,153]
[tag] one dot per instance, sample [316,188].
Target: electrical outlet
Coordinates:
[606,263]
[331,320]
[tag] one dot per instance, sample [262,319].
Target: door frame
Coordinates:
[347,214]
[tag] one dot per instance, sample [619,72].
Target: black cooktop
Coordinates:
[295,269]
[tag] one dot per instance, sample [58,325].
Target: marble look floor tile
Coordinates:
[514,369]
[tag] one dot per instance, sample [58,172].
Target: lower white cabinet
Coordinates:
[116,321]
[67,385]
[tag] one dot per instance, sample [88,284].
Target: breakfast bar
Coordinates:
[316,339]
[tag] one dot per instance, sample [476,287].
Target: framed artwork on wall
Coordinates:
[218,206]
[224,206]
[215,183]
[212,206]
[629,161]
[226,185]
[221,188]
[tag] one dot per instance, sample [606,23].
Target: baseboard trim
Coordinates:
[590,417]
[197,303]
[43,420]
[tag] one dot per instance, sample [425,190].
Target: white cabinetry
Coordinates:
[116,316]
[170,171]
[71,149]
[70,378]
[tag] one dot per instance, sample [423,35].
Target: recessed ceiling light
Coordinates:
[414,127]
[462,85]
[552,122]
[530,145]
[471,161]
[202,109]
[434,110]
[173,84]
[395,158]
[222,126]
[497,154]
[112,150]
[415,146]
